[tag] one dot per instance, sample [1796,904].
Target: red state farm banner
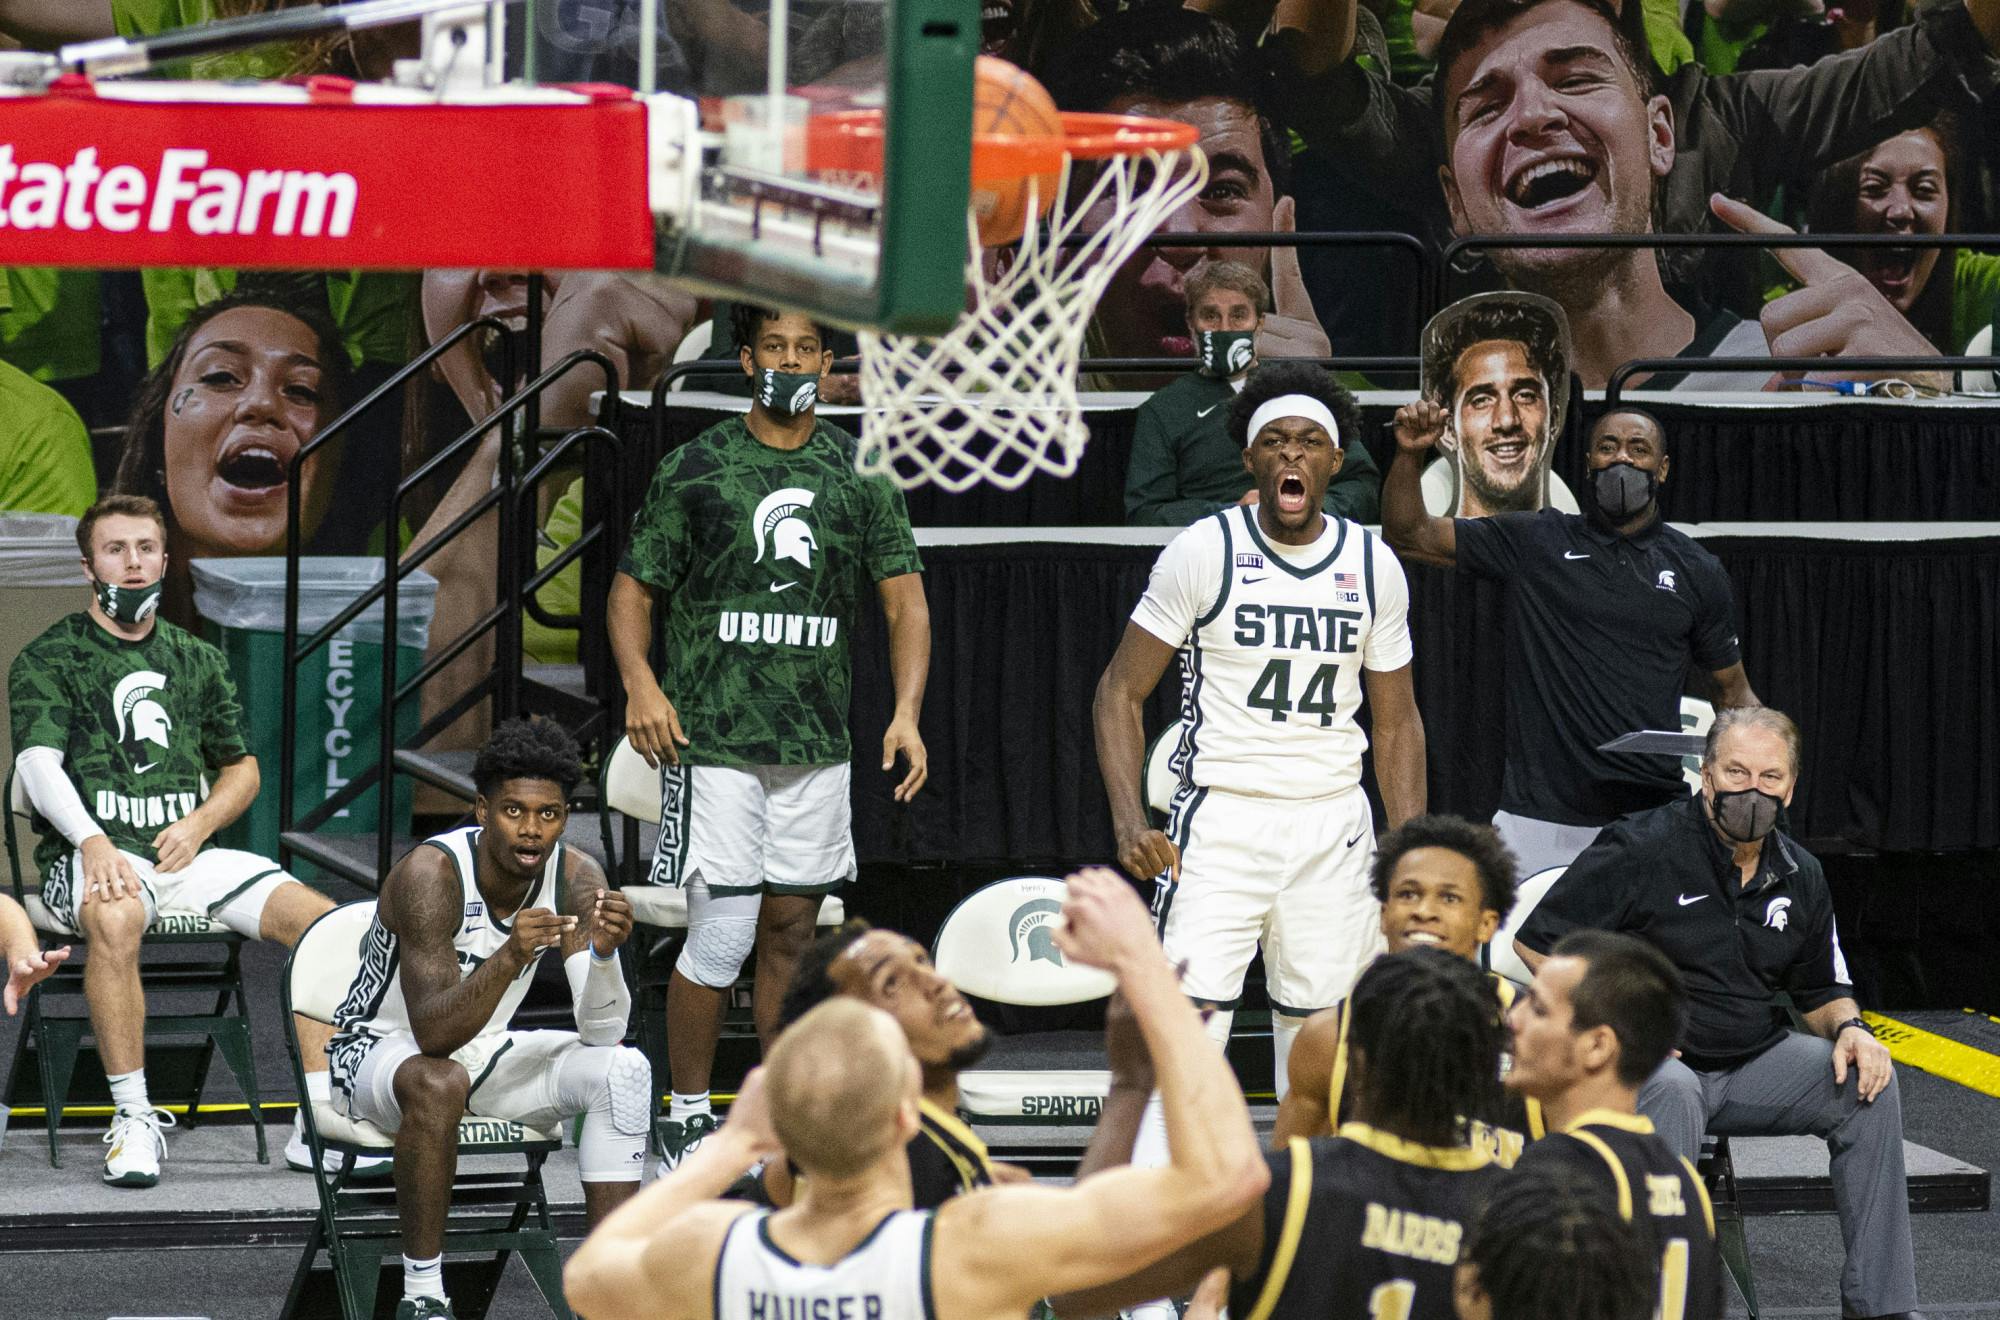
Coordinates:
[322,185]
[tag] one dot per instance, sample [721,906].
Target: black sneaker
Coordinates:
[424,1308]
[680,1138]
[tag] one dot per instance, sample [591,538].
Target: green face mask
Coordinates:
[128,604]
[785,393]
[1225,352]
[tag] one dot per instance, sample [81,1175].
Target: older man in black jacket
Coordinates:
[1743,911]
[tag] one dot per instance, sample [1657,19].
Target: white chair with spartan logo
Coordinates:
[173,1071]
[998,945]
[495,1212]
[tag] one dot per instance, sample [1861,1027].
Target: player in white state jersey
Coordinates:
[422,1037]
[840,1097]
[1284,617]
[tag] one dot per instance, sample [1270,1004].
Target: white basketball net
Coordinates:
[995,399]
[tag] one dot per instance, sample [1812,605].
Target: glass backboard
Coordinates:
[745,202]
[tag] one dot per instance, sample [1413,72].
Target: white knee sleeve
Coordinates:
[1284,1030]
[721,934]
[612,1086]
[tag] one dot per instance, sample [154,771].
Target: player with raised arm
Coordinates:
[1369,1222]
[1282,615]
[422,1037]
[894,973]
[840,1097]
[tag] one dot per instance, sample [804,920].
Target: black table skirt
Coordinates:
[1828,463]
[1888,654]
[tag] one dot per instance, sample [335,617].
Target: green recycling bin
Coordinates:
[340,699]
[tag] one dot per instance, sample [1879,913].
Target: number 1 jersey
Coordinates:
[1273,639]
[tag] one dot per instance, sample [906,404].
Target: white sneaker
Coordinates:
[136,1147]
[298,1157]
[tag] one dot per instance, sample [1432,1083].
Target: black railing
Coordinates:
[1108,366]
[1448,260]
[294,533]
[502,683]
[1766,365]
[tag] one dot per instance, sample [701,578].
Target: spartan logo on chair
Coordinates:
[779,519]
[1033,925]
[141,719]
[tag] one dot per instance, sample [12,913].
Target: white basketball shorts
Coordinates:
[1289,875]
[774,829]
[222,884]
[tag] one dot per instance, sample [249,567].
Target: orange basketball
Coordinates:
[1007,101]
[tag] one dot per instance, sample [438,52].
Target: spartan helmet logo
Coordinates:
[1033,924]
[778,517]
[1774,915]
[1240,354]
[141,719]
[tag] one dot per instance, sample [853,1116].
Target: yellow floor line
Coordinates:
[1938,1055]
[104,1111]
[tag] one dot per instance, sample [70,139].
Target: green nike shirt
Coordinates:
[138,724]
[763,557]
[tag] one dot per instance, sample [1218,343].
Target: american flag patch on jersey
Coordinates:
[1346,582]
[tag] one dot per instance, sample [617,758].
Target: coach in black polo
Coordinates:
[1743,911]
[1607,612]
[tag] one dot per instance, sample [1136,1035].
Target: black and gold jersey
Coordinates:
[1363,1224]
[1655,1190]
[946,1158]
[1518,1123]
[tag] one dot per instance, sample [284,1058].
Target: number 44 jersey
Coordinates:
[1273,641]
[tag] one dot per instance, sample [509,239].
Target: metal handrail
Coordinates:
[397,564]
[569,553]
[1447,264]
[1101,366]
[1765,365]
[294,654]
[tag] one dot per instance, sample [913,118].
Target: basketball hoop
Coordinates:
[995,399]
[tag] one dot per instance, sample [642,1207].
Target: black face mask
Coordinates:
[1747,814]
[1623,491]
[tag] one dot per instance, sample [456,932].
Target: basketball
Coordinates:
[1007,101]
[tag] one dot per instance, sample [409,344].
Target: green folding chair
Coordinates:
[58,1040]
[502,1212]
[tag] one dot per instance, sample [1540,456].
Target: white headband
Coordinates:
[1295,405]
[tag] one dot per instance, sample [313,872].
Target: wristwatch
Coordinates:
[1852,1022]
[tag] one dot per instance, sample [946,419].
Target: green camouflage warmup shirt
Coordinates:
[138,724]
[762,557]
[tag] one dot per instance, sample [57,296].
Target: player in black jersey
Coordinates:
[1444,883]
[1602,1014]
[1542,1247]
[1368,1223]
[893,972]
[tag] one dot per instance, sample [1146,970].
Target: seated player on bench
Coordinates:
[422,1037]
[118,718]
